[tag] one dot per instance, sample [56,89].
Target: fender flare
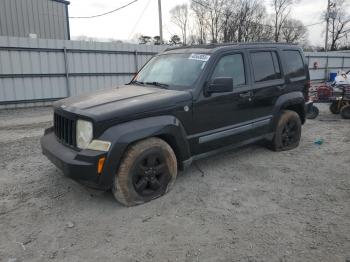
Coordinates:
[287,100]
[167,127]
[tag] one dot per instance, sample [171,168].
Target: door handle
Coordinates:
[281,87]
[245,95]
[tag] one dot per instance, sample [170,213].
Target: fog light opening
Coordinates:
[100,165]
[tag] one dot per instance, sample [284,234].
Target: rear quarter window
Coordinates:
[294,63]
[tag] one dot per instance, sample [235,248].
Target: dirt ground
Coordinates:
[248,205]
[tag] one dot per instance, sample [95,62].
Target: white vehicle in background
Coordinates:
[343,78]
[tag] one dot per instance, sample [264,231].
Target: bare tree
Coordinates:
[229,24]
[216,8]
[179,16]
[339,20]
[281,10]
[293,31]
[193,39]
[245,20]
[254,21]
[200,10]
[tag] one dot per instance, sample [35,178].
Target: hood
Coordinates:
[122,102]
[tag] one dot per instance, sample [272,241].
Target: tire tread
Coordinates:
[120,190]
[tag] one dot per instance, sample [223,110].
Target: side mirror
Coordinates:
[220,85]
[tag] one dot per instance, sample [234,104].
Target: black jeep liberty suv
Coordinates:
[184,104]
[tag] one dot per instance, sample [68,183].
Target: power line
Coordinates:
[139,19]
[314,24]
[206,6]
[106,13]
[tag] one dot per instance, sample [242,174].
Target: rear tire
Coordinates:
[334,108]
[287,133]
[345,112]
[313,113]
[147,171]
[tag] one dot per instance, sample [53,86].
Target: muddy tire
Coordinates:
[345,112]
[334,108]
[287,132]
[147,171]
[313,113]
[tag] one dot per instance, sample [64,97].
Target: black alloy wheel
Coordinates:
[287,132]
[290,133]
[150,174]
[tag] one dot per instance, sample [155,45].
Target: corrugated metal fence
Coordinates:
[327,63]
[37,71]
[44,18]
[41,70]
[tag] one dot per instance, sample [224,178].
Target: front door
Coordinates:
[223,118]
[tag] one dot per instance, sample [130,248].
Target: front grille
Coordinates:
[64,129]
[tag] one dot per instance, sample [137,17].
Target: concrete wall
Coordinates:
[45,18]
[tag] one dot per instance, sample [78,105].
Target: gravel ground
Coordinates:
[248,205]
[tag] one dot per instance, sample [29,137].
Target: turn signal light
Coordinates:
[101,162]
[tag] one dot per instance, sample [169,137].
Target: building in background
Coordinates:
[35,18]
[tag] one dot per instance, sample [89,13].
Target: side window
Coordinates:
[295,64]
[265,66]
[231,66]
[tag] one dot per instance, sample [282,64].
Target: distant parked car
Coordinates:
[185,104]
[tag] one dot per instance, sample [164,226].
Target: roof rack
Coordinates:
[209,46]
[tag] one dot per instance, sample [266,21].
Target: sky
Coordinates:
[142,18]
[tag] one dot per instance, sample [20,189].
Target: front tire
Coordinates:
[288,132]
[147,171]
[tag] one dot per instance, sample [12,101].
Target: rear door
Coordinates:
[268,83]
[296,71]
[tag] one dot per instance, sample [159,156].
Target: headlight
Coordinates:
[84,133]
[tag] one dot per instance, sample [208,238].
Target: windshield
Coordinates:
[178,71]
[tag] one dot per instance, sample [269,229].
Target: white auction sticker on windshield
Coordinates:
[200,57]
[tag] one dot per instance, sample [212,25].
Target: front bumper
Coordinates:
[79,165]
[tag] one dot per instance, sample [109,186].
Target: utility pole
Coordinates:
[160,21]
[327,25]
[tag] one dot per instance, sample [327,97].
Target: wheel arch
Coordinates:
[175,144]
[167,128]
[298,108]
[293,101]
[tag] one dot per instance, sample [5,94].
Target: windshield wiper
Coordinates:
[137,82]
[162,85]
